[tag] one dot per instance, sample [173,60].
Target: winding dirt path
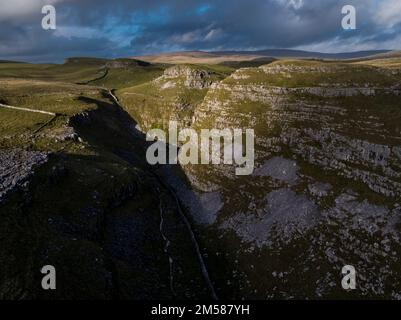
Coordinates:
[27,110]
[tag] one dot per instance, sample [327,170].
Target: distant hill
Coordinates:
[8,61]
[85,61]
[287,53]
[219,57]
[385,55]
[197,57]
[111,63]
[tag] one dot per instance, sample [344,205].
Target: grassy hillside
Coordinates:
[49,72]
[233,57]
[326,185]
[155,103]
[325,191]
[101,72]
[391,64]
[292,73]
[21,128]
[198,57]
[314,147]
[94,209]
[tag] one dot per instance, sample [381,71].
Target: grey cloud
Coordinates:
[123,27]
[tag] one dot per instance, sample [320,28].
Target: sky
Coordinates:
[124,28]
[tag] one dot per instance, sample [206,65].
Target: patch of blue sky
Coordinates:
[203,8]
[123,31]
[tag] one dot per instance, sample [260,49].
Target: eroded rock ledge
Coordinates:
[16,166]
[193,78]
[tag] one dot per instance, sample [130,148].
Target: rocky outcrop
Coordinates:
[193,78]
[327,184]
[288,68]
[16,167]
[355,159]
[282,209]
[64,133]
[126,63]
[326,92]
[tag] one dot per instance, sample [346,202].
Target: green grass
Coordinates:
[153,104]
[390,63]
[95,168]
[314,73]
[85,70]
[22,128]
[247,64]
[48,72]
[56,97]
[128,77]
[19,122]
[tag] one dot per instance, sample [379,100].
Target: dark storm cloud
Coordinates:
[123,28]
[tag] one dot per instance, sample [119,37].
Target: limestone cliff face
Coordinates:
[329,126]
[16,167]
[193,78]
[325,192]
[174,96]
[327,186]
[126,63]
